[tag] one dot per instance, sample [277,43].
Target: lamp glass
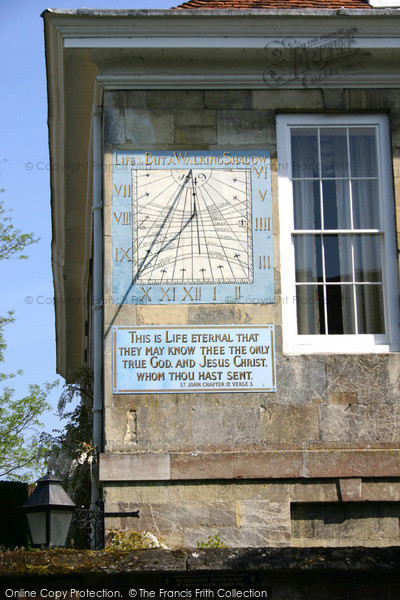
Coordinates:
[37,527]
[60,521]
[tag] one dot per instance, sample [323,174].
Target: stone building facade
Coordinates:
[315,460]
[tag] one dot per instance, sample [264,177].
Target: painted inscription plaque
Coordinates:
[231,358]
[192,227]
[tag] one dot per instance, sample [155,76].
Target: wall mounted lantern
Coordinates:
[49,511]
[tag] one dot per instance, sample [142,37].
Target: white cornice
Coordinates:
[238,81]
[387,40]
[55,91]
[207,28]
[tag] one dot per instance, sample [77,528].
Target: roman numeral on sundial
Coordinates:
[123,218]
[121,254]
[125,189]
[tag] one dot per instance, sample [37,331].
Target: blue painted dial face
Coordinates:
[191,227]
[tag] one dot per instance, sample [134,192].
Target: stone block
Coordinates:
[220,99]
[198,465]
[116,426]
[165,425]
[350,489]
[195,118]
[289,425]
[314,491]
[233,537]
[273,491]
[143,127]
[201,315]
[255,537]
[134,467]
[384,99]
[279,339]
[300,379]
[287,99]
[223,428]
[352,523]
[267,465]
[351,463]
[394,119]
[196,135]
[380,491]
[160,315]
[125,99]
[167,99]
[347,423]
[346,398]
[107,250]
[135,99]
[107,274]
[333,99]
[387,422]
[114,129]
[356,99]
[262,514]
[365,375]
[241,127]
[255,313]
[177,516]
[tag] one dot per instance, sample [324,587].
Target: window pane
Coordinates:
[333,153]
[367,258]
[336,204]
[307,207]
[370,311]
[337,258]
[304,153]
[340,308]
[363,152]
[308,258]
[60,521]
[365,204]
[310,309]
[37,527]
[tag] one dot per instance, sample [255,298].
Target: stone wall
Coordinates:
[247,458]
[278,573]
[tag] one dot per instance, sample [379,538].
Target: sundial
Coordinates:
[192,227]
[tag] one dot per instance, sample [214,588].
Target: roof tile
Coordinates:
[274,4]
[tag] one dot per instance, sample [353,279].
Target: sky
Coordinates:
[26,286]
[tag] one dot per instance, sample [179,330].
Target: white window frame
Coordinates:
[293,343]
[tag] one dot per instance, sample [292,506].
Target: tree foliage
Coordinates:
[21,454]
[70,453]
[12,241]
[20,451]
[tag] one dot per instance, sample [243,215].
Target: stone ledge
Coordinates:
[134,466]
[273,464]
[73,562]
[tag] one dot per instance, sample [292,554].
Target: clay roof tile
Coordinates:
[274,4]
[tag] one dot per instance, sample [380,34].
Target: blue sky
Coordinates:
[26,286]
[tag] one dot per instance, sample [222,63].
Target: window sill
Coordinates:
[339,344]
